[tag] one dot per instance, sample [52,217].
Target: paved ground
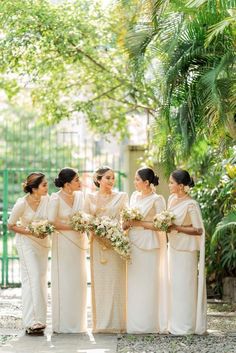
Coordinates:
[221,335]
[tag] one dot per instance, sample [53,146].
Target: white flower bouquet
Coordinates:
[41,228]
[163,220]
[80,221]
[109,233]
[131,214]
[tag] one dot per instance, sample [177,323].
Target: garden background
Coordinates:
[85,83]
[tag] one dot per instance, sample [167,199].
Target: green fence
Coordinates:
[28,144]
[10,189]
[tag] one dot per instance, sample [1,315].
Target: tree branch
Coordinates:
[133,104]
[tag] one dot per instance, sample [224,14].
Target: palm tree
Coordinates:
[192,46]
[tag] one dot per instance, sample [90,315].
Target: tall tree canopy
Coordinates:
[66,54]
[186,52]
[173,60]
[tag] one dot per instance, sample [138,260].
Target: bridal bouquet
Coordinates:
[163,220]
[41,228]
[109,233]
[80,221]
[131,214]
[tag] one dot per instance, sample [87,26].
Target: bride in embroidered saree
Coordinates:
[187,291]
[147,272]
[108,270]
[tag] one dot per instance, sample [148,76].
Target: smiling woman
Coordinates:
[186,255]
[69,278]
[147,273]
[108,270]
[33,252]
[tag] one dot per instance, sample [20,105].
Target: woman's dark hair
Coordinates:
[98,174]
[32,181]
[147,173]
[182,177]
[66,175]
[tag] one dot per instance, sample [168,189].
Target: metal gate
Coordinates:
[29,146]
[11,180]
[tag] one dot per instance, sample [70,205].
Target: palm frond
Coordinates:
[218,28]
[228,223]
[138,38]
[196,3]
[213,5]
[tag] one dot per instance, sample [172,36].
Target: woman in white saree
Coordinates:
[186,269]
[108,270]
[69,277]
[33,252]
[147,275]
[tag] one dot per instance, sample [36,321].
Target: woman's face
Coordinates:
[174,186]
[139,184]
[42,189]
[108,180]
[75,183]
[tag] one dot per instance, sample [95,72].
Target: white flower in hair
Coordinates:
[95,177]
[186,188]
[153,188]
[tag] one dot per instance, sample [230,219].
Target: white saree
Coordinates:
[108,270]
[147,275]
[69,276]
[33,254]
[187,292]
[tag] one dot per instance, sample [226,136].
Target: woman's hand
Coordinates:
[137,224]
[126,225]
[19,229]
[172,228]
[186,229]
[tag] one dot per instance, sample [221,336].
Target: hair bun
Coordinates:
[58,183]
[98,174]
[191,183]
[95,179]
[32,181]
[155,180]
[147,173]
[26,187]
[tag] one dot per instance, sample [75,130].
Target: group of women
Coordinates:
[161,290]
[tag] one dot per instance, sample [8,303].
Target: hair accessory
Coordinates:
[95,177]
[186,188]
[153,188]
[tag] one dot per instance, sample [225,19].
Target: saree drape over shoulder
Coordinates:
[108,270]
[188,306]
[147,275]
[33,254]
[69,277]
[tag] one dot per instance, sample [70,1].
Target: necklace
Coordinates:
[71,196]
[34,199]
[101,201]
[181,198]
[145,195]
[105,195]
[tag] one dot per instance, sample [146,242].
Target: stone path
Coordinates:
[221,335]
